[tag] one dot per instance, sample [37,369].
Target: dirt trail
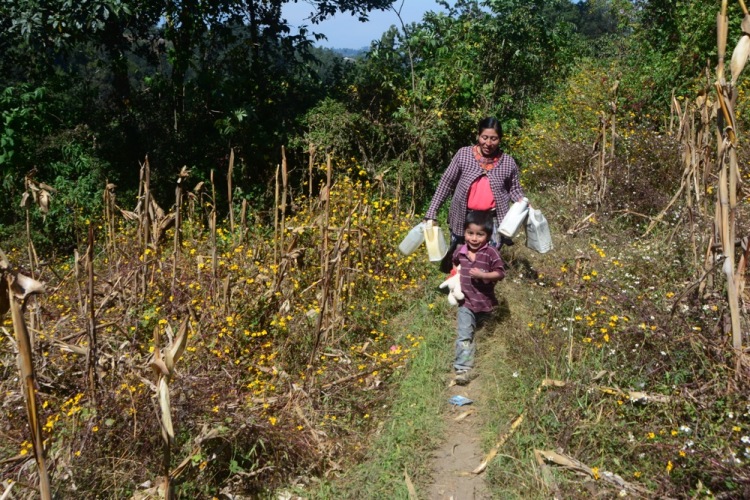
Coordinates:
[461,450]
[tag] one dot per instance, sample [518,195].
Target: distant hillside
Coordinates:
[354,53]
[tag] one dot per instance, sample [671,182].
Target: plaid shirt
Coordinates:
[463,170]
[479,296]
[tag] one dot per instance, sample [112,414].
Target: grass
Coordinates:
[513,368]
[411,425]
[610,313]
[599,316]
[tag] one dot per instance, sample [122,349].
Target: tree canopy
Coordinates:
[183,82]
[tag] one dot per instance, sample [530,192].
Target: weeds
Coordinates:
[247,405]
[413,422]
[645,369]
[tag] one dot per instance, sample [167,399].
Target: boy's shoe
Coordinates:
[463,377]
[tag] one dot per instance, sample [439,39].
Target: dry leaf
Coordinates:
[64,346]
[464,414]
[495,449]
[166,409]
[571,463]
[549,382]
[129,215]
[739,57]
[23,286]
[642,397]
[25,200]
[159,366]
[4,262]
[722,27]
[410,486]
[178,346]
[599,375]
[44,198]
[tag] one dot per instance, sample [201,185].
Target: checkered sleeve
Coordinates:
[515,191]
[445,188]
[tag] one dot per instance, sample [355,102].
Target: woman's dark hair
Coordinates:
[480,218]
[492,123]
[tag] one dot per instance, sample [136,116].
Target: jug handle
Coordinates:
[532,216]
[428,232]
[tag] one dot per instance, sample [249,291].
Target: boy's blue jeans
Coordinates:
[467,323]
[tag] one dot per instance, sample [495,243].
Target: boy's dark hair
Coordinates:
[480,218]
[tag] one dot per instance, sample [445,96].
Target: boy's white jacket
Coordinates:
[453,284]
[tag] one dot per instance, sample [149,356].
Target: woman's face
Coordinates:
[488,141]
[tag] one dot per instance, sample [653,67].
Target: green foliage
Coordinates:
[22,111]
[63,22]
[428,85]
[595,19]
[333,129]
[79,181]
[672,46]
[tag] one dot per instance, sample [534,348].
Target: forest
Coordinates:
[202,295]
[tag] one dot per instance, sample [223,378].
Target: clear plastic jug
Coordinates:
[538,235]
[516,215]
[435,242]
[412,240]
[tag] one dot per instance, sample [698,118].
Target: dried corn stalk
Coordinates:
[92,353]
[282,207]
[15,287]
[37,194]
[163,366]
[183,175]
[230,172]
[604,152]
[548,456]
[729,175]
[110,204]
[694,138]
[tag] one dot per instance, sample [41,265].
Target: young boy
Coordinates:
[481,267]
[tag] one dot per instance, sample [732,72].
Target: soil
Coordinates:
[461,450]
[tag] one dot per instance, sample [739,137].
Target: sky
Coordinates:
[346,32]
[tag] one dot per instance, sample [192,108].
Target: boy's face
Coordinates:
[475,236]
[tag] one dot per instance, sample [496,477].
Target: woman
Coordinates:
[480,177]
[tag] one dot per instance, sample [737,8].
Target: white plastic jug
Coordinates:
[412,240]
[434,240]
[511,223]
[538,236]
